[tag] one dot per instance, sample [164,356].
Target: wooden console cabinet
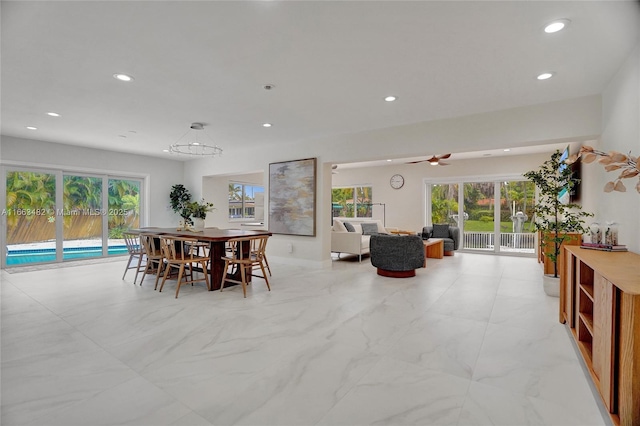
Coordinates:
[600,302]
[575,238]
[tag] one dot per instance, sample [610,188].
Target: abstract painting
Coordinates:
[292,197]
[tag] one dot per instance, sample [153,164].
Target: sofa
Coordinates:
[397,256]
[450,235]
[349,236]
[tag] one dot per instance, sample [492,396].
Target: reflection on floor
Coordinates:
[471,340]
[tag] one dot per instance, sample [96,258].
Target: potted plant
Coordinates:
[180,199]
[199,210]
[553,217]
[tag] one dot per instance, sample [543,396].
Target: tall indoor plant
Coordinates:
[180,199]
[555,218]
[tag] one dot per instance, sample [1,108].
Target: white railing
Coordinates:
[508,241]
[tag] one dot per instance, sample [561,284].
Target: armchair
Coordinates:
[450,235]
[397,256]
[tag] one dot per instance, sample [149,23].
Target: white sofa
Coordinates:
[343,241]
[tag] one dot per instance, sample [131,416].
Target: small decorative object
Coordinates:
[595,233]
[611,234]
[199,210]
[612,160]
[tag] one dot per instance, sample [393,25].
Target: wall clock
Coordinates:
[396,181]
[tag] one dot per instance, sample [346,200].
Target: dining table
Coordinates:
[217,239]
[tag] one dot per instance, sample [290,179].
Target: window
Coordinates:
[352,201]
[246,201]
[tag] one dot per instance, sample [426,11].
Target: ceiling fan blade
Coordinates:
[441,163]
[414,162]
[442,157]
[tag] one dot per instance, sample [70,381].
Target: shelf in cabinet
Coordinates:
[586,349]
[587,320]
[588,290]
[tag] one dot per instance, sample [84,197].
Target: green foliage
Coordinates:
[552,217]
[36,191]
[199,209]
[180,199]
[478,214]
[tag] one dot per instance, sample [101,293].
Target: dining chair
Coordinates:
[264,257]
[246,260]
[181,253]
[155,259]
[136,253]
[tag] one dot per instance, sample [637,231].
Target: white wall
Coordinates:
[564,121]
[160,174]
[621,132]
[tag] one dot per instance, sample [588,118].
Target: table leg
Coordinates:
[216,265]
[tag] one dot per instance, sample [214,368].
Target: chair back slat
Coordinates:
[132,241]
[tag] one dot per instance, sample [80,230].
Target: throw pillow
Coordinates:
[338,226]
[369,229]
[440,231]
[349,227]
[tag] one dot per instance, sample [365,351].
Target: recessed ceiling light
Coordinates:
[506,150]
[53,114]
[389,160]
[390,98]
[555,26]
[266,125]
[32,128]
[545,76]
[123,77]
[196,143]
[165,150]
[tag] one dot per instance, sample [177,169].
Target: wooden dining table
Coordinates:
[217,239]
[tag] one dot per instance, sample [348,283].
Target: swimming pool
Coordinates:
[22,257]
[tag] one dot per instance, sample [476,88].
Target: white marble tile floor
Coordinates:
[471,340]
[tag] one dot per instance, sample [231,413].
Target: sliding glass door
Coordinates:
[82,217]
[494,215]
[30,217]
[50,215]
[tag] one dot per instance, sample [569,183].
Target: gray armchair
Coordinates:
[450,235]
[397,256]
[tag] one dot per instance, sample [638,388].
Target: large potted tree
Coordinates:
[555,218]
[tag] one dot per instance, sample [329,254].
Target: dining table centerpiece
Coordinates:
[199,210]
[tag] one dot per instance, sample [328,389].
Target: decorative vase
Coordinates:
[611,234]
[551,285]
[198,224]
[595,233]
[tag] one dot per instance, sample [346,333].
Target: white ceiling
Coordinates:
[332,63]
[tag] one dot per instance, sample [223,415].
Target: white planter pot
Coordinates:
[551,285]
[198,224]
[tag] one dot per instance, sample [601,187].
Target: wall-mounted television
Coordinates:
[570,195]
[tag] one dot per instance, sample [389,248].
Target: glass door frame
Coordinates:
[59,205]
[460,181]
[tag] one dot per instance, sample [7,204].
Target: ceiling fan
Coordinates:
[435,160]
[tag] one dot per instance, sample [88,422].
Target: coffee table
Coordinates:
[402,232]
[433,248]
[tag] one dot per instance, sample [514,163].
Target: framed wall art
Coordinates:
[292,197]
